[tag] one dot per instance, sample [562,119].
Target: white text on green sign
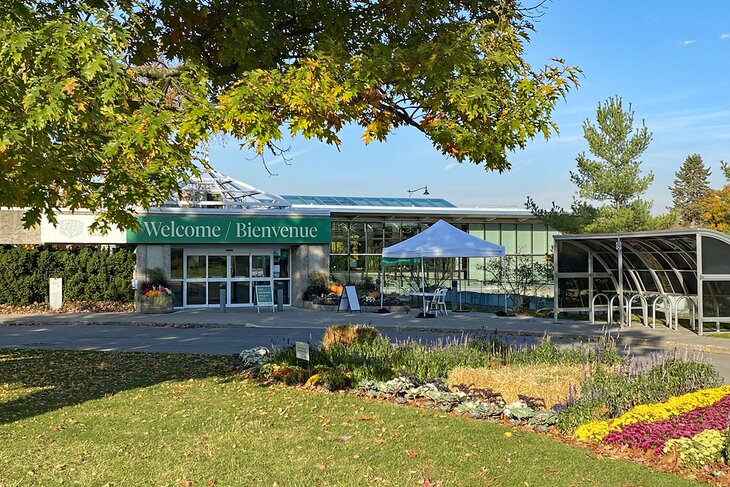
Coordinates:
[190,229]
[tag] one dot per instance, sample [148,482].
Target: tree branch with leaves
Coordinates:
[92,116]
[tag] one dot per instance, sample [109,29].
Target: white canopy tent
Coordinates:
[440,240]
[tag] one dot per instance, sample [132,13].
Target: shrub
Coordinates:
[700,450]
[319,283]
[290,375]
[89,274]
[335,379]
[349,334]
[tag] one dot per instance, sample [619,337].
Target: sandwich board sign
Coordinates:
[264,297]
[348,300]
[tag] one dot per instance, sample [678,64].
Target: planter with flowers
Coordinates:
[157,299]
[154,295]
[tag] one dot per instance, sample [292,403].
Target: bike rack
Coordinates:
[593,308]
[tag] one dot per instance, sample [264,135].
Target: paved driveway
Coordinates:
[212,332]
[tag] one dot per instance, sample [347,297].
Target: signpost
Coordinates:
[302,352]
[264,297]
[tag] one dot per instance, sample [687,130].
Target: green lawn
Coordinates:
[89,418]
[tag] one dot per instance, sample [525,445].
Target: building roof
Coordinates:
[367,201]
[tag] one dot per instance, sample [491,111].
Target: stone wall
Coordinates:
[149,257]
[12,231]
[305,260]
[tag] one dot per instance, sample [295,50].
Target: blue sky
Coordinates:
[670,60]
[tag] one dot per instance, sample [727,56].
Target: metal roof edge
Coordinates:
[418,210]
[648,233]
[170,210]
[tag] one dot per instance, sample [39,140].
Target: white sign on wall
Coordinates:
[75,229]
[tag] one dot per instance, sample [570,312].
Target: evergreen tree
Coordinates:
[691,187]
[614,178]
[616,175]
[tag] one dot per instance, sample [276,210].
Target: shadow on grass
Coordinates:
[34,382]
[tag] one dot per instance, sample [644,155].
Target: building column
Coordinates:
[305,260]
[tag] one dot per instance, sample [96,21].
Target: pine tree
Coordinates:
[615,176]
[691,187]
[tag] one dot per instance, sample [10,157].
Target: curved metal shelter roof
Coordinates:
[692,263]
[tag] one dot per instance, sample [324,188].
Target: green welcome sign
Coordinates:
[230,230]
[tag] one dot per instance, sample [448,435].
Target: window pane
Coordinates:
[572,258]
[177,293]
[509,237]
[240,293]
[176,264]
[216,266]
[239,266]
[357,238]
[214,292]
[524,238]
[392,233]
[260,266]
[196,293]
[491,231]
[285,287]
[281,260]
[374,233]
[339,238]
[539,239]
[196,267]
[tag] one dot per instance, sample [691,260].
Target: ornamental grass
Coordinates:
[348,334]
[551,383]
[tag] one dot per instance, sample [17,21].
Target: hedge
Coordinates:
[89,274]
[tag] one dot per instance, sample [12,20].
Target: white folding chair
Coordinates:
[439,301]
[432,305]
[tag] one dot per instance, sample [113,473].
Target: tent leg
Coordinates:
[423,286]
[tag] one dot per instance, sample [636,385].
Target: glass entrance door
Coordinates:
[203,274]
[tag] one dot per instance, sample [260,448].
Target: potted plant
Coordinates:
[153,295]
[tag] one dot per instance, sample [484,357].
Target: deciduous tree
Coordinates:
[104,102]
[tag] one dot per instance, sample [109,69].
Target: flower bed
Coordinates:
[695,425]
[649,413]
[687,414]
[655,435]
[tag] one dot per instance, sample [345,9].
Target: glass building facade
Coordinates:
[357,247]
